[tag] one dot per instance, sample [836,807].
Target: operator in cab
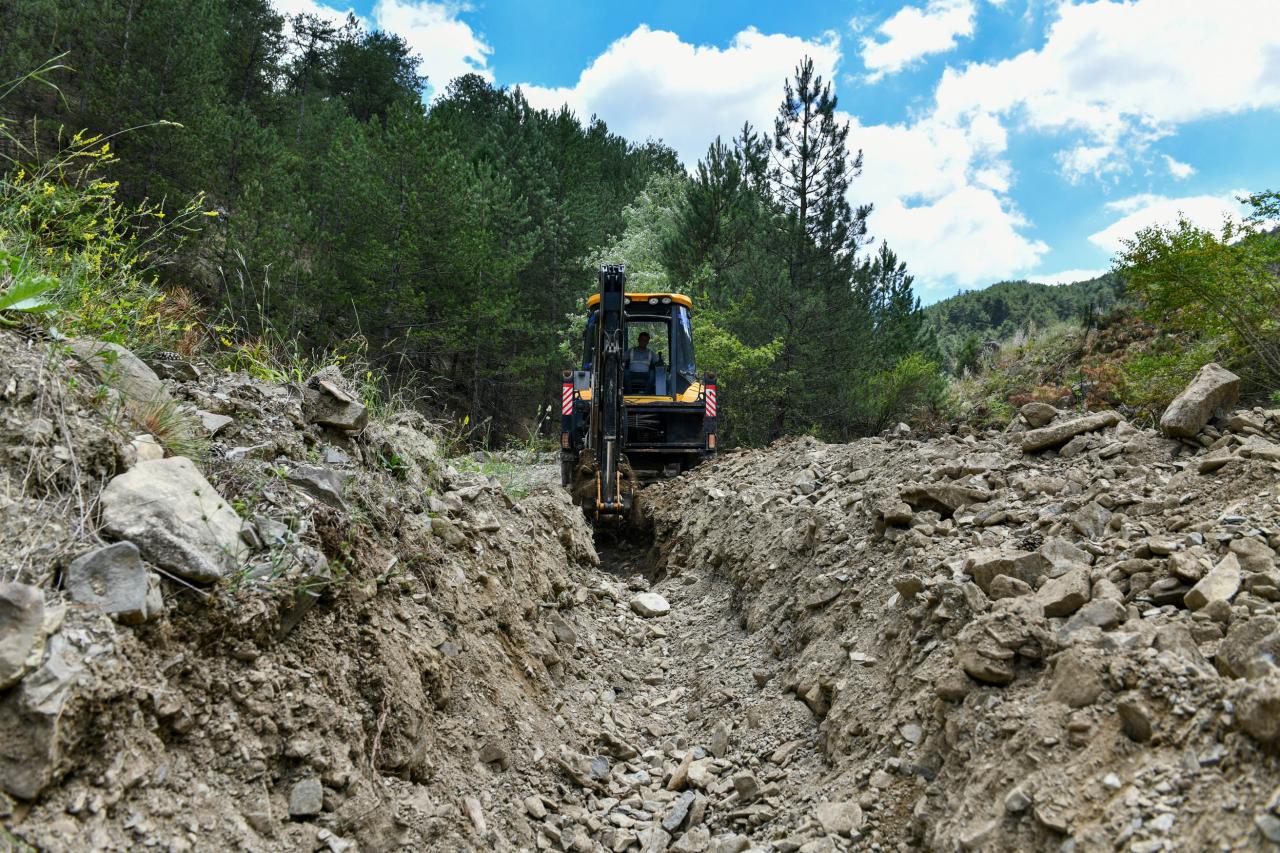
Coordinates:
[640,358]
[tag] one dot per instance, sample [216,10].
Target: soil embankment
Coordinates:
[322,635]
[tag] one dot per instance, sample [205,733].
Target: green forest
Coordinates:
[293,189]
[270,194]
[967,321]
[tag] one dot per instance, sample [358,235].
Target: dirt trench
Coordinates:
[956,642]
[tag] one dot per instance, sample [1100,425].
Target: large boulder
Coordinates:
[176,518]
[22,631]
[1221,584]
[984,565]
[1062,596]
[1214,388]
[1038,414]
[1063,431]
[943,498]
[1251,648]
[326,401]
[45,718]
[120,369]
[1258,710]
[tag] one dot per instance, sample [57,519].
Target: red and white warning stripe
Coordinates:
[710,394]
[566,399]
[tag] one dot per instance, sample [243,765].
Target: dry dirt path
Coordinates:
[704,751]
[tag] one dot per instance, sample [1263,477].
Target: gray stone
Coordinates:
[213,423]
[176,518]
[1006,586]
[1017,800]
[326,402]
[32,722]
[114,579]
[718,744]
[146,448]
[1220,584]
[839,818]
[448,531]
[1104,613]
[1135,719]
[986,669]
[273,534]
[306,798]
[1091,520]
[1251,648]
[1062,432]
[734,843]
[1077,678]
[22,631]
[650,604]
[494,752]
[1038,414]
[323,484]
[1213,388]
[985,564]
[653,840]
[534,806]
[177,369]
[1254,554]
[747,787]
[120,369]
[1269,825]
[1061,556]
[1185,566]
[1258,710]
[562,630]
[943,498]
[696,840]
[678,811]
[1065,595]
[700,774]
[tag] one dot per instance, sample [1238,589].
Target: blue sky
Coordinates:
[1010,139]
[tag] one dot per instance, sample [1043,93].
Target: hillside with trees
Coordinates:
[966,322]
[296,192]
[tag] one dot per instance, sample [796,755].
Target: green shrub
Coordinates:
[1153,378]
[1220,285]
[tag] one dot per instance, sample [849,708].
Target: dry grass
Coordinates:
[174,427]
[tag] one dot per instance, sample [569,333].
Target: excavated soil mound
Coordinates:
[323,635]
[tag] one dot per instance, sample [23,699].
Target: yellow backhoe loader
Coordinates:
[638,408]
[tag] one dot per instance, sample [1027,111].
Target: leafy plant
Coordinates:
[1220,284]
[23,292]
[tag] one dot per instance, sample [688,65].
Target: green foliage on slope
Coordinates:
[453,236]
[967,321]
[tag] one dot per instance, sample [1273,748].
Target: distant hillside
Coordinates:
[1002,309]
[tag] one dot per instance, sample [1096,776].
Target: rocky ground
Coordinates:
[314,632]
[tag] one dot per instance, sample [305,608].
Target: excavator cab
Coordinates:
[638,406]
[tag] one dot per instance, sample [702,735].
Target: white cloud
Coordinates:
[913,33]
[292,8]
[1178,169]
[967,236]
[939,195]
[1121,74]
[651,83]
[1145,209]
[1066,276]
[447,46]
